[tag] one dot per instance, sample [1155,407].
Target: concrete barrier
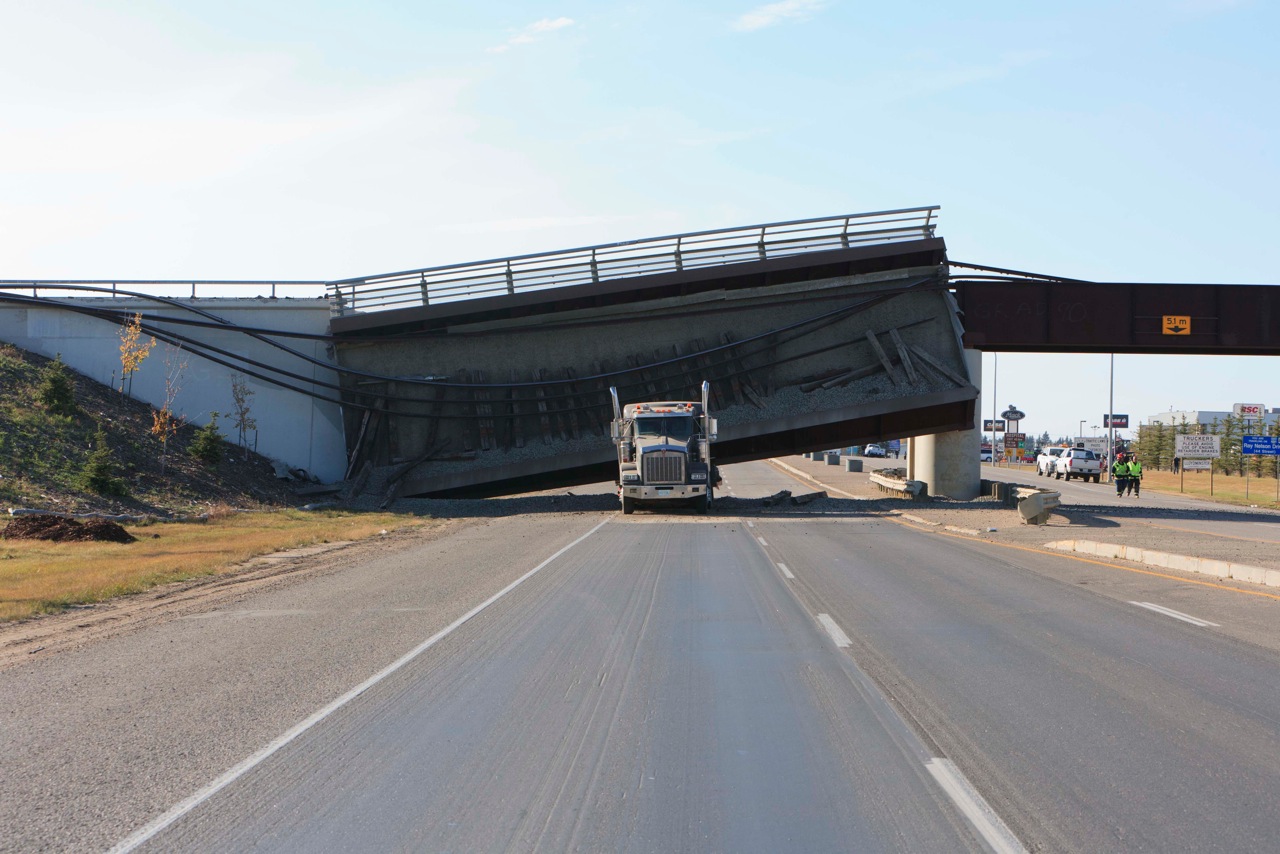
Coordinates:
[853,465]
[833,459]
[1035,506]
[913,489]
[1186,563]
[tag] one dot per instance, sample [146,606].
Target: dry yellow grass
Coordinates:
[1227,489]
[42,577]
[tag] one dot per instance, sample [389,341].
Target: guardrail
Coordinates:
[592,264]
[171,287]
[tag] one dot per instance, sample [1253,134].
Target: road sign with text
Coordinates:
[1193,445]
[1249,410]
[1117,421]
[1268,446]
[1197,465]
[989,425]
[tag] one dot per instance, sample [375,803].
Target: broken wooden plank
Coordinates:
[573,403]
[544,420]
[904,356]
[938,366]
[883,357]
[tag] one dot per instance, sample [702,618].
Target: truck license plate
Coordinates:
[664,492]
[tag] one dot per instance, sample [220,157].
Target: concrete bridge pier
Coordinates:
[948,462]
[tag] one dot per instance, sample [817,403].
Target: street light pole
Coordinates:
[1111,419]
[995,378]
[1080,435]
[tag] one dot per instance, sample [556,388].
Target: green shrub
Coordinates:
[207,445]
[99,472]
[57,390]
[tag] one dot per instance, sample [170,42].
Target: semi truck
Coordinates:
[664,452]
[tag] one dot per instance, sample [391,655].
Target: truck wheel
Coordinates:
[703,503]
[628,505]
[1097,478]
[1039,472]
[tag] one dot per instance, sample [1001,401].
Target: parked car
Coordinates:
[984,456]
[1078,462]
[874,451]
[1046,459]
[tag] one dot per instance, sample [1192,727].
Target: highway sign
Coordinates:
[1260,445]
[1013,413]
[1197,465]
[1192,445]
[1176,324]
[989,425]
[1115,420]
[1249,410]
[1097,444]
[1014,440]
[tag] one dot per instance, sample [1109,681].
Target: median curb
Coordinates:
[1165,560]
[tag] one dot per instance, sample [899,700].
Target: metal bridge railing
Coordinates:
[592,264]
[173,288]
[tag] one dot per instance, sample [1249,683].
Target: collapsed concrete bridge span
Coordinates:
[815,335]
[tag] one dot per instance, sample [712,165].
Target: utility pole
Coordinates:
[1111,419]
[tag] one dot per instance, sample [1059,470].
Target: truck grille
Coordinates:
[663,467]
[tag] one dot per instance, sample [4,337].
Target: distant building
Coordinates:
[1206,417]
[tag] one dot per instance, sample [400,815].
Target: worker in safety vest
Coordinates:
[1135,475]
[1120,473]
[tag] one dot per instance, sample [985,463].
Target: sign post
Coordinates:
[1199,445]
[1012,415]
[1268,446]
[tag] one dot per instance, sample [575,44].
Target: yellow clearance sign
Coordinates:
[1176,324]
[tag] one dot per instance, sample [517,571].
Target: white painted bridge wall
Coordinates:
[292,427]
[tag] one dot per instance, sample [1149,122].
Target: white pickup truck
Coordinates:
[1047,459]
[1078,462]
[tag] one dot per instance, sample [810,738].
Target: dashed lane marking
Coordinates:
[1177,615]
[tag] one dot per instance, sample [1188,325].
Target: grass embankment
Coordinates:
[1228,489]
[38,577]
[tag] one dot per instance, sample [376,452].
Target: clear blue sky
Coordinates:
[1124,142]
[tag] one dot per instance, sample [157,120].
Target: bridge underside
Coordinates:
[1024,314]
[510,394]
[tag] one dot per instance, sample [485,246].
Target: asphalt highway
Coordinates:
[677,682]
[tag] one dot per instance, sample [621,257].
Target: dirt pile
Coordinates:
[58,529]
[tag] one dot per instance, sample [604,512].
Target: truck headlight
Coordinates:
[698,475]
[631,477]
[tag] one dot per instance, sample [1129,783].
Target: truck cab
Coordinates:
[664,452]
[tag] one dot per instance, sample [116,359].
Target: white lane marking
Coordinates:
[974,807]
[786,573]
[750,524]
[145,833]
[1177,615]
[762,542]
[837,633]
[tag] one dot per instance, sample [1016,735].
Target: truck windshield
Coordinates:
[680,428]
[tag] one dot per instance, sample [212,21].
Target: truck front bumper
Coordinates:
[662,493]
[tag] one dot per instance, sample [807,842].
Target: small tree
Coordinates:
[244,421]
[207,445]
[132,350]
[99,472]
[57,390]
[164,423]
